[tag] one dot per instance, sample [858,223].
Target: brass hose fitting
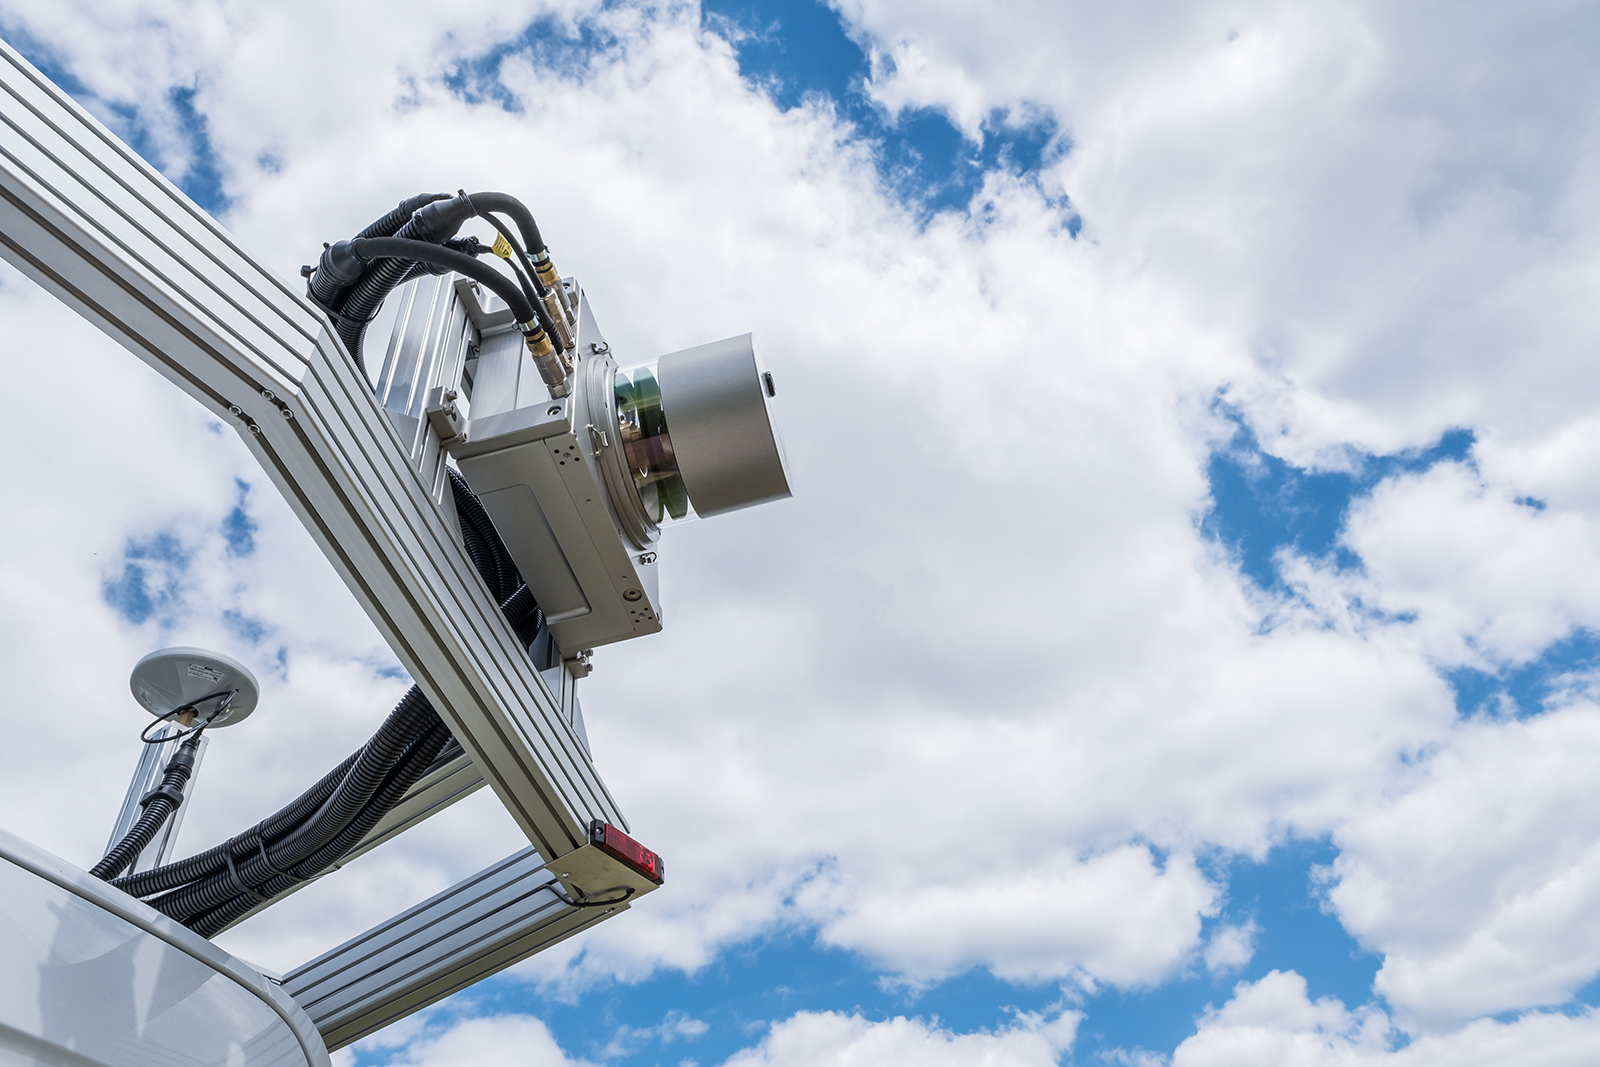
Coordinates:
[545,268]
[545,358]
[558,317]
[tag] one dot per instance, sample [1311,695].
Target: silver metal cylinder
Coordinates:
[718,407]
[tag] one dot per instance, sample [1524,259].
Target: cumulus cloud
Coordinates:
[1272,1022]
[505,1038]
[833,1039]
[984,666]
[1230,947]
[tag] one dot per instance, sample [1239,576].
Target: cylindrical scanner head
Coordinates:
[544,355]
[718,408]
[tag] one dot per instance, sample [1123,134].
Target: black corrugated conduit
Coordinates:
[158,804]
[414,762]
[213,889]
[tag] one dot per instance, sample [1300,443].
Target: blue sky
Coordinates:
[1188,590]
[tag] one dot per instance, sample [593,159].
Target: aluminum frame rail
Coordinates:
[91,222]
[478,927]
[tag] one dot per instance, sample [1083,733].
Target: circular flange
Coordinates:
[176,678]
[600,396]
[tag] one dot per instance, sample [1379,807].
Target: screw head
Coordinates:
[555,409]
[269,394]
[632,594]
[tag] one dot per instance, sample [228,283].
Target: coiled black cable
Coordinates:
[331,281]
[390,224]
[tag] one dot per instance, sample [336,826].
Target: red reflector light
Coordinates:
[620,846]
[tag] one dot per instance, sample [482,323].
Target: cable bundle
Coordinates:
[418,237]
[210,891]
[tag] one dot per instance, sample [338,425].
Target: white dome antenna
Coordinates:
[214,688]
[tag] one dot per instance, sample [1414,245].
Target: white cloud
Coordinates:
[1230,947]
[1272,1023]
[1477,881]
[1491,581]
[983,667]
[832,1039]
[506,1038]
[674,1026]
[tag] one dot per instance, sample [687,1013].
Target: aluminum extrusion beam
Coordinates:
[498,917]
[91,222]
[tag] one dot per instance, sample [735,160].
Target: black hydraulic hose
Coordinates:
[418,758]
[519,214]
[521,266]
[400,248]
[159,804]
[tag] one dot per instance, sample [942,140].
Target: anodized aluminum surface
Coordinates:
[483,924]
[86,218]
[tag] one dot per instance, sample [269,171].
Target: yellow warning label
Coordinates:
[501,246]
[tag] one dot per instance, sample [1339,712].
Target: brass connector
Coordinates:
[545,268]
[558,317]
[545,358]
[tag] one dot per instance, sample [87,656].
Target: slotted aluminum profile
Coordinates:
[91,222]
[496,918]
